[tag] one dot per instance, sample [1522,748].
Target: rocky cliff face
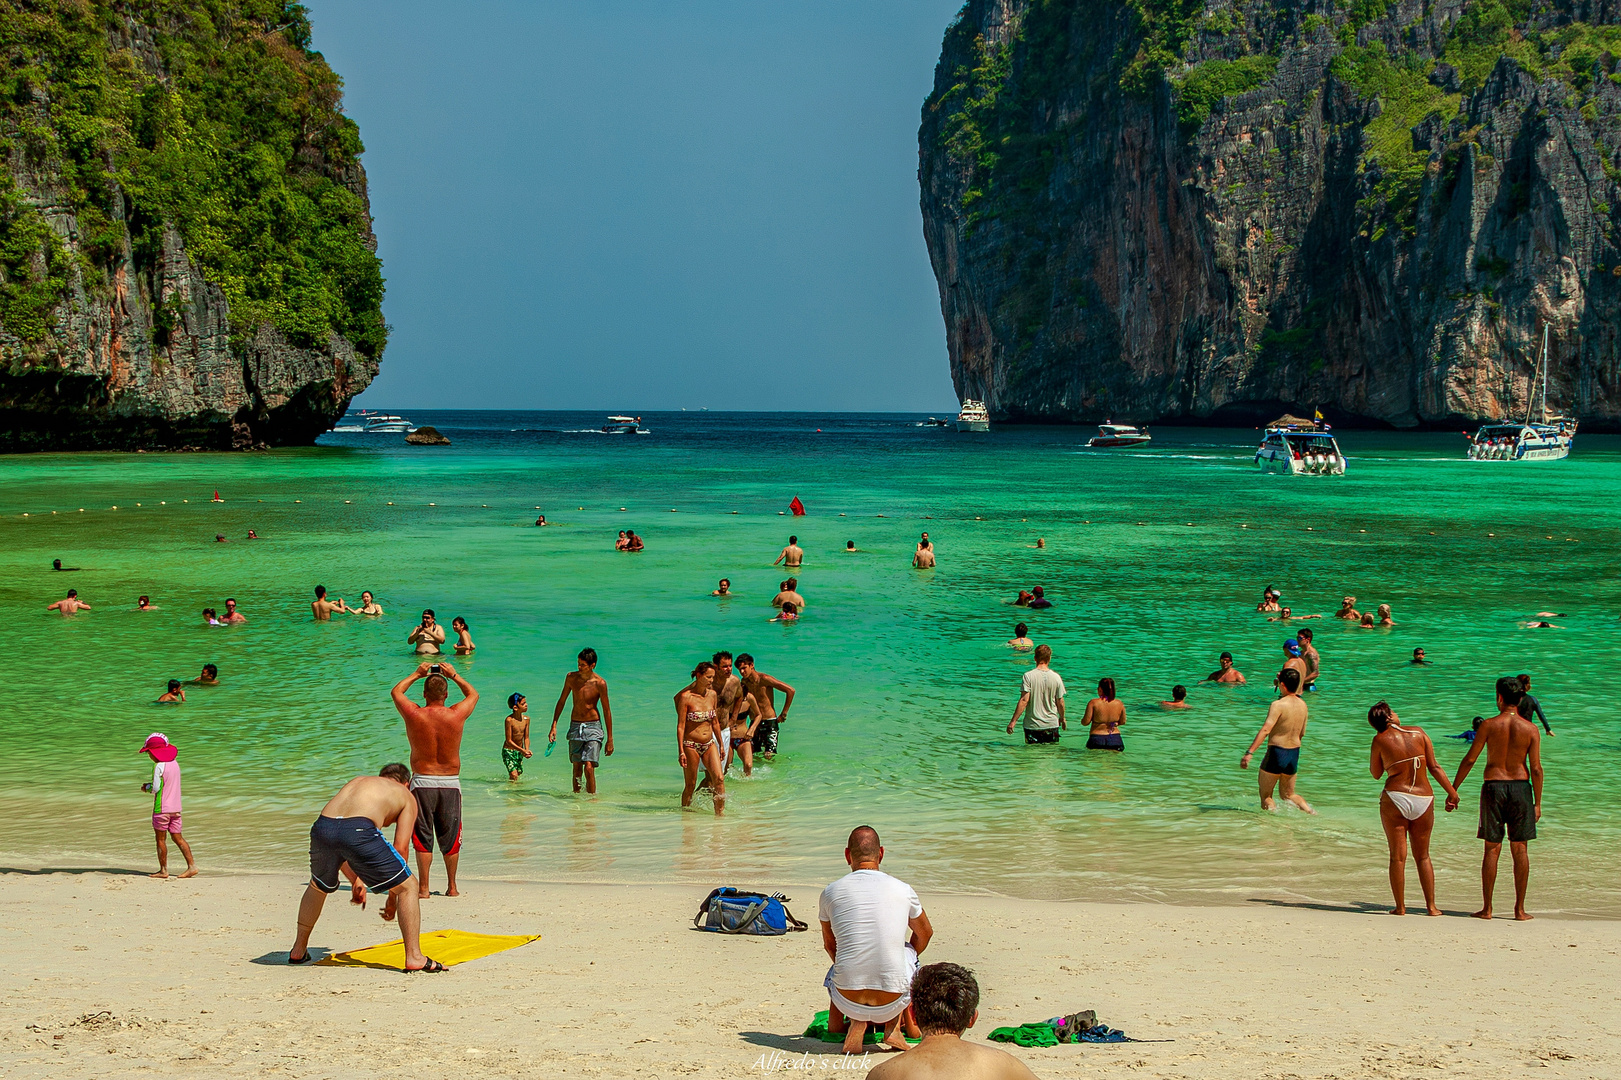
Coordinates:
[186,254]
[1209,210]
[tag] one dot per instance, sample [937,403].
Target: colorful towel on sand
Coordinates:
[1047,1035]
[446,946]
[818,1030]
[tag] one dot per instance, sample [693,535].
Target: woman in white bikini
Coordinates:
[697,737]
[1403,755]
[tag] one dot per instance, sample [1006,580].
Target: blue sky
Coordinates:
[634,205]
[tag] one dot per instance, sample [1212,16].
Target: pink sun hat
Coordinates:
[158,745]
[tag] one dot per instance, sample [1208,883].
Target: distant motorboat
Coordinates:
[1548,439]
[974,416]
[1110,435]
[935,422]
[624,425]
[375,423]
[1300,447]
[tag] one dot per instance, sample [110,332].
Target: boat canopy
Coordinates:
[1295,423]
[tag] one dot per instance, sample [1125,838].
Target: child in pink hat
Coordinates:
[165,789]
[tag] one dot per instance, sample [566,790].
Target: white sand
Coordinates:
[192,976]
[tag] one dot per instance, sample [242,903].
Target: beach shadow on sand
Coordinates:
[795,1044]
[1356,907]
[117,871]
[279,958]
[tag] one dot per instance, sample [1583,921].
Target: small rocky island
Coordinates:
[186,252]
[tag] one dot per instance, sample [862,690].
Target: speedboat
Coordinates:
[623,425]
[974,416]
[375,423]
[1297,446]
[1118,435]
[934,422]
[1548,439]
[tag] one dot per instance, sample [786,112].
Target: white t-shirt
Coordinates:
[1045,689]
[869,911]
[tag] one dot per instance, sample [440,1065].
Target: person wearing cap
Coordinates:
[1226,673]
[165,790]
[1269,600]
[1292,661]
[516,748]
[176,694]
[1038,599]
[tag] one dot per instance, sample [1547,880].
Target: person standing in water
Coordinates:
[792,556]
[1179,698]
[434,730]
[69,604]
[464,636]
[1406,758]
[923,558]
[1284,728]
[323,608]
[1041,700]
[1511,794]
[1021,639]
[428,635]
[369,604]
[1105,715]
[1308,655]
[1226,673]
[1533,704]
[763,687]
[516,747]
[697,736]
[588,738]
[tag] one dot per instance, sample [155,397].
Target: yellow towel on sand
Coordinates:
[446,946]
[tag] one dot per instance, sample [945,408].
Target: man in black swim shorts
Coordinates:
[1283,731]
[1510,796]
[347,841]
[435,732]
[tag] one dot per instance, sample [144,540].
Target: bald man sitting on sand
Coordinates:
[866,916]
[945,999]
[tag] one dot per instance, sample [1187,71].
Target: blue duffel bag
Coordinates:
[743,911]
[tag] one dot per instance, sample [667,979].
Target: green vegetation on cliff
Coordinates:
[211,116]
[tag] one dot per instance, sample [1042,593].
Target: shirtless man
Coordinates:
[323,608]
[1292,661]
[1511,794]
[1284,727]
[792,556]
[763,687]
[69,603]
[347,841]
[729,703]
[232,616]
[1226,673]
[945,1000]
[428,635]
[1308,654]
[923,557]
[209,677]
[435,732]
[789,594]
[587,742]
[724,589]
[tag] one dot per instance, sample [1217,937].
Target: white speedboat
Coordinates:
[1548,439]
[1295,446]
[974,416]
[1110,434]
[375,423]
[623,425]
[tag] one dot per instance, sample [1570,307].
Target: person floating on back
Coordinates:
[165,790]
[1511,793]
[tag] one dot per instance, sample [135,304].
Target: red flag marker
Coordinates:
[797,507]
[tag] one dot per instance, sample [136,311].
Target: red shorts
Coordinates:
[169,823]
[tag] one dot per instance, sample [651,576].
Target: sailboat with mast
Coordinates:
[1548,439]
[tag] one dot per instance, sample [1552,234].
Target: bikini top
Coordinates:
[1417,760]
[700,716]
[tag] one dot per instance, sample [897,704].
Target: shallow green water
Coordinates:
[904,683]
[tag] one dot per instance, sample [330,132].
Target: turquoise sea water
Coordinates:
[1154,559]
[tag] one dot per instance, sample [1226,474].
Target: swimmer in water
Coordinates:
[1308,653]
[623,543]
[69,603]
[209,677]
[725,588]
[1348,609]
[1418,657]
[789,595]
[252,535]
[143,603]
[632,541]
[1179,698]
[1542,626]
[428,635]
[368,605]
[1106,715]
[540,520]
[1038,599]
[792,556]
[1226,673]
[849,549]
[1532,704]
[1023,599]
[1041,541]
[56,564]
[323,608]
[789,613]
[1293,662]
[923,558]
[1384,616]
[211,617]
[1367,622]
[1269,600]
[1021,639]
[232,616]
[175,694]
[219,538]
[464,639]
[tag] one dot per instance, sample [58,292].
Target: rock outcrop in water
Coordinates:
[1211,210]
[186,254]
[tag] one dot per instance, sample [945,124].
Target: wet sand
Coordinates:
[112,974]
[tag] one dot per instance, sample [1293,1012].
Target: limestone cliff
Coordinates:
[1209,210]
[186,253]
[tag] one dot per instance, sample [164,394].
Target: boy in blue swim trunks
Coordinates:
[1284,727]
[347,841]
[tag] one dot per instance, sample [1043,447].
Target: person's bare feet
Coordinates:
[1433,910]
[191,871]
[1269,805]
[854,1036]
[1483,913]
[1521,916]
[161,875]
[1399,910]
[453,891]
[897,1041]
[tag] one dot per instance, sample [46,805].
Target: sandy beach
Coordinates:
[111,974]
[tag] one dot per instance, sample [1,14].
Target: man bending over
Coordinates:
[347,841]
